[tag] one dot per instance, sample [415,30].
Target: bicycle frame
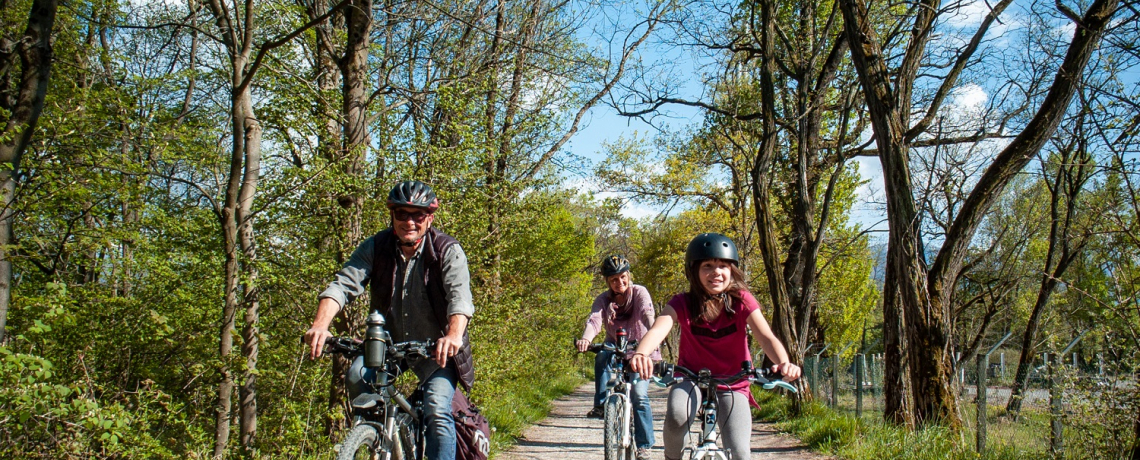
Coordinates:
[621,389]
[707,448]
[385,408]
[707,412]
[619,400]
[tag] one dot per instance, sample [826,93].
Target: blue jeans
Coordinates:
[639,394]
[439,389]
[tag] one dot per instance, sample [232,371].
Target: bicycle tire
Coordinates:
[404,446]
[614,407]
[361,440]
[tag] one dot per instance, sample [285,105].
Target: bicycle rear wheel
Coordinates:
[616,418]
[360,444]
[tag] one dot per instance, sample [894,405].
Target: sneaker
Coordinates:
[596,412]
[642,453]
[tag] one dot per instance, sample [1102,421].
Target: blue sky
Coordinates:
[604,125]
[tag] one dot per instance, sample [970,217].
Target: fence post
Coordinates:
[1001,357]
[815,370]
[983,360]
[809,373]
[1100,364]
[1056,444]
[859,385]
[835,380]
[983,365]
[871,377]
[1056,393]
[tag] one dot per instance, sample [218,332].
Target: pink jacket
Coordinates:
[603,312]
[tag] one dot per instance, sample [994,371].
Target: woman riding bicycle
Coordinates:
[623,305]
[712,317]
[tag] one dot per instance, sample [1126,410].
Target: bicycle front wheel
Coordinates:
[616,418]
[404,445]
[360,444]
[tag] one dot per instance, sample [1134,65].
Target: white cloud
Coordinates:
[969,97]
[869,211]
[630,208]
[970,14]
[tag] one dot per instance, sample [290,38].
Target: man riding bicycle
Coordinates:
[420,283]
[623,305]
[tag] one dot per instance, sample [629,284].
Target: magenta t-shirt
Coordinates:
[719,346]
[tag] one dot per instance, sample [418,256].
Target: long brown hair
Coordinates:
[702,305]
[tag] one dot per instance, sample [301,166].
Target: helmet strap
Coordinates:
[724,298]
[408,245]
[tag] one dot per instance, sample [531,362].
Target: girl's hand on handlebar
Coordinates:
[789,371]
[582,345]
[642,364]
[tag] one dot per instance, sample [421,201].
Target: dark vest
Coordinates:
[383,280]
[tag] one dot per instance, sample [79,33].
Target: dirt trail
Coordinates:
[566,434]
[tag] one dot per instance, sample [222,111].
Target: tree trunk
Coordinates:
[223,406]
[925,295]
[783,316]
[238,47]
[251,297]
[354,111]
[895,407]
[24,104]
[927,322]
[329,139]
[1066,186]
[1136,432]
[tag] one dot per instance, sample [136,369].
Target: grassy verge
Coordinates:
[842,435]
[512,413]
[528,400]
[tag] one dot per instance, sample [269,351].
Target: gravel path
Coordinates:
[566,434]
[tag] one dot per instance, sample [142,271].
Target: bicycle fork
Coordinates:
[708,448]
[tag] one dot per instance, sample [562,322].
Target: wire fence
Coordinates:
[1073,407]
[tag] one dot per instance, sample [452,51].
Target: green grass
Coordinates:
[527,401]
[842,435]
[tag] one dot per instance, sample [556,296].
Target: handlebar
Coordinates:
[346,346]
[350,347]
[665,375]
[600,347]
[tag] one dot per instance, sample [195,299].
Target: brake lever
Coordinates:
[781,384]
[769,384]
[665,382]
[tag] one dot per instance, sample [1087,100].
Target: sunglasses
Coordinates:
[418,217]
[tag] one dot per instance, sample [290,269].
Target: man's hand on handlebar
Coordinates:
[446,347]
[315,338]
[582,345]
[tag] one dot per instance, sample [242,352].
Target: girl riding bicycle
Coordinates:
[713,316]
[623,305]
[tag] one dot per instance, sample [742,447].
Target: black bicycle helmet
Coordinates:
[614,264]
[413,193]
[710,246]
